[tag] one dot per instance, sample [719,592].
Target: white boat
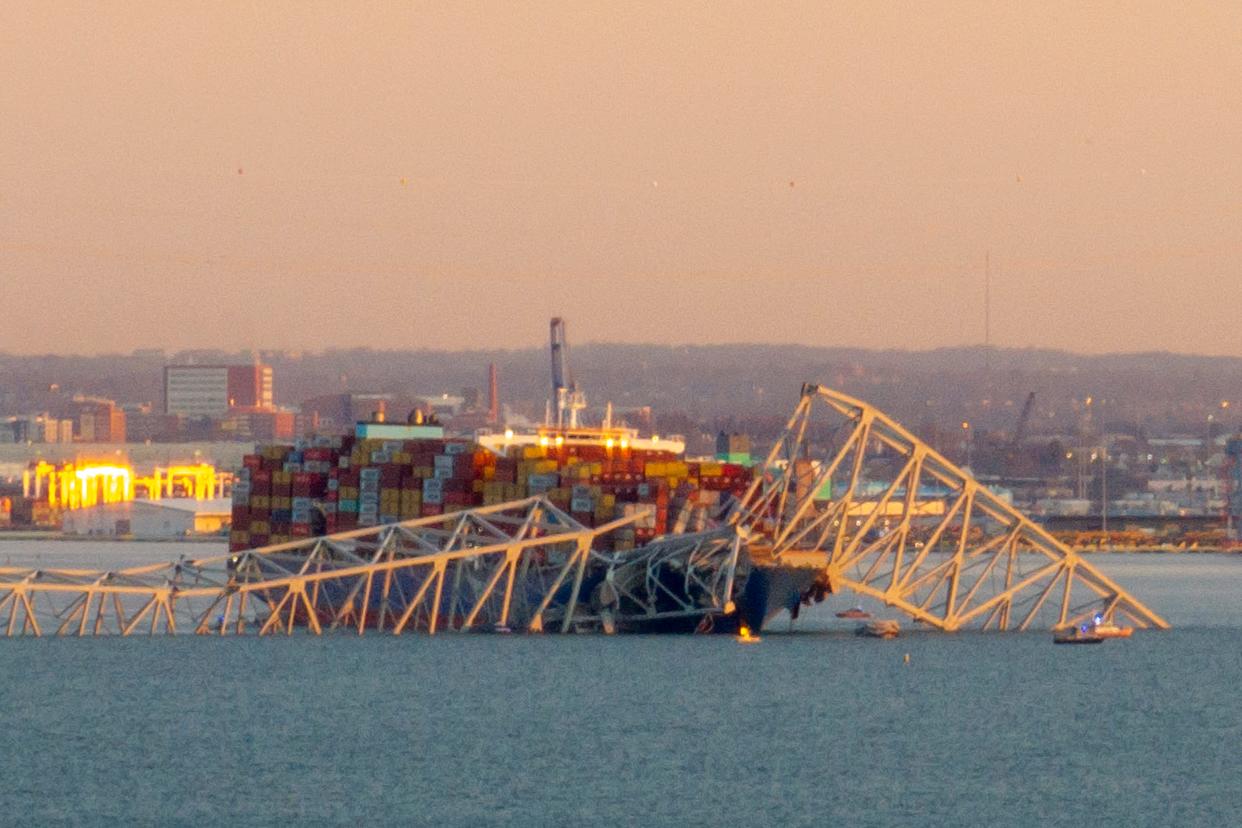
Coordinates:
[879,628]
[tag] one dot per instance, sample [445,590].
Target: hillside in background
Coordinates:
[715,385]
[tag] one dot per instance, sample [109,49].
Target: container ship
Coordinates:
[386,473]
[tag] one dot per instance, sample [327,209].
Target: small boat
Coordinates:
[1107,629]
[1077,635]
[744,636]
[880,628]
[854,612]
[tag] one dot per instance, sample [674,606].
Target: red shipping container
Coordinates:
[427,446]
[308,484]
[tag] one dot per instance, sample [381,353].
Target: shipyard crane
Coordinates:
[565,394]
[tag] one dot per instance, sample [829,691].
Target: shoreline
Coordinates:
[20,535]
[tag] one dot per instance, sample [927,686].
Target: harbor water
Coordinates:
[814,727]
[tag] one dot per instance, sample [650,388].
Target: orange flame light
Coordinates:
[84,484]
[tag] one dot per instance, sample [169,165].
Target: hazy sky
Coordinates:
[423,174]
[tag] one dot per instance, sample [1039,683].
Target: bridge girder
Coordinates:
[848,489]
[516,565]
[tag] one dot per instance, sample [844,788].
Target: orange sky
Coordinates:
[821,173]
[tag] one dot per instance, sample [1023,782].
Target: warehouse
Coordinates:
[150,519]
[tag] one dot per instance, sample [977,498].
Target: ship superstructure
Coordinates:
[562,426]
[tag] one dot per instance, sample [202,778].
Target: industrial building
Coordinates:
[36,428]
[150,519]
[100,421]
[213,390]
[250,423]
[339,412]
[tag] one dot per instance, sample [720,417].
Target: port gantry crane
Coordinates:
[846,500]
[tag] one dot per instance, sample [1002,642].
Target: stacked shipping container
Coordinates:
[333,484]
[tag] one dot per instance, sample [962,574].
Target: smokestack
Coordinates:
[493,395]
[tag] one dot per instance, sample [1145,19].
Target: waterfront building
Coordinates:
[150,519]
[214,390]
[100,421]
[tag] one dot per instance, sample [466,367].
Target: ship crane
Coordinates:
[565,394]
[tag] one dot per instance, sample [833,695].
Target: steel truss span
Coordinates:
[848,490]
[521,566]
[518,565]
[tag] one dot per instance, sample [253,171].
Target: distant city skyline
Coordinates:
[446,176]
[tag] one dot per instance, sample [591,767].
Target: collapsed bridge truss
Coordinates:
[851,492]
[516,565]
[846,500]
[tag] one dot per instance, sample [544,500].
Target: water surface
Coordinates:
[810,728]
